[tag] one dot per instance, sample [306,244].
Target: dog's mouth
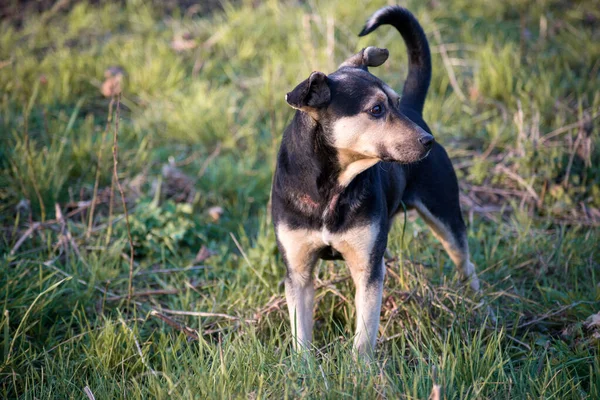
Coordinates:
[426,155]
[408,151]
[406,157]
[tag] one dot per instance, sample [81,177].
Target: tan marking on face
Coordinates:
[392,95]
[459,254]
[361,137]
[359,133]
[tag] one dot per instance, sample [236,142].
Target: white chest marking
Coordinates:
[326,236]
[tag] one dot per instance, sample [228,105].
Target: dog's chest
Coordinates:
[327,237]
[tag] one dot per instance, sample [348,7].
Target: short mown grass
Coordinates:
[515,98]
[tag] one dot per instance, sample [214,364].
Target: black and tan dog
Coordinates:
[353,153]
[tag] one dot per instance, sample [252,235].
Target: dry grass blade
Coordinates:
[448,65]
[567,128]
[205,314]
[66,233]
[24,237]
[192,334]
[239,246]
[501,168]
[172,270]
[150,293]
[88,393]
[98,168]
[124,202]
[555,312]
[209,159]
[138,348]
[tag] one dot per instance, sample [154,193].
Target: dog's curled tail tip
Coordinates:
[419,72]
[381,17]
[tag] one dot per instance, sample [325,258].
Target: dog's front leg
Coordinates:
[299,250]
[363,248]
[300,294]
[368,279]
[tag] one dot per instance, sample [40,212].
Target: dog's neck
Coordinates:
[351,165]
[318,175]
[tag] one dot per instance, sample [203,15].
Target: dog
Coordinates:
[355,154]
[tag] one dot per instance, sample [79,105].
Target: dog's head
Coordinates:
[360,114]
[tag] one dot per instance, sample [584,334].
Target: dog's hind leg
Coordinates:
[434,194]
[299,252]
[449,228]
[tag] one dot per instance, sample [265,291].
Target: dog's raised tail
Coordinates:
[419,63]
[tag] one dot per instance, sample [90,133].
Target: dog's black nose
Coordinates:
[426,141]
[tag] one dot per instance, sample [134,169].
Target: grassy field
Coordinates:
[515,98]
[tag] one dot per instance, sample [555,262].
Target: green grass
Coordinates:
[523,136]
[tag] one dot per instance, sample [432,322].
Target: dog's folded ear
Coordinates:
[368,57]
[311,94]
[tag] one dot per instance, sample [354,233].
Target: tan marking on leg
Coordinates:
[459,254]
[368,310]
[300,247]
[356,246]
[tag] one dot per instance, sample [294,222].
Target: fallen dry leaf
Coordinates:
[215,213]
[112,82]
[177,185]
[203,254]
[593,321]
[474,93]
[23,205]
[183,43]
[137,182]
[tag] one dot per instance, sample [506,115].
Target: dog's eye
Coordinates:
[377,110]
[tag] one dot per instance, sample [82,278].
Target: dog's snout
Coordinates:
[427,141]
